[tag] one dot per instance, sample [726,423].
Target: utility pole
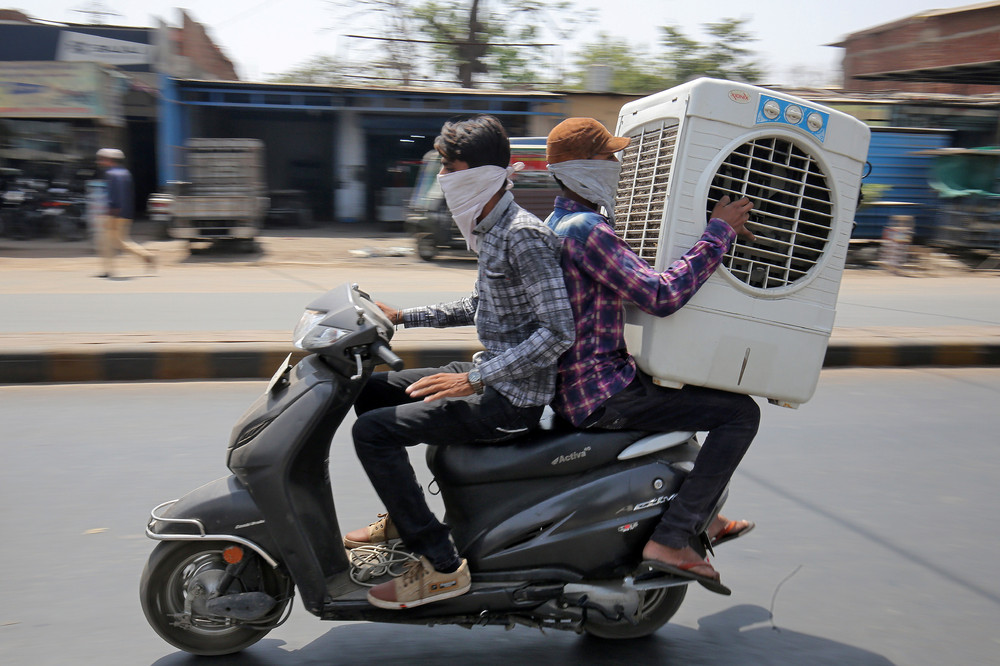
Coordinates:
[96,9]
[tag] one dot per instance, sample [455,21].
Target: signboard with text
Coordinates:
[60,90]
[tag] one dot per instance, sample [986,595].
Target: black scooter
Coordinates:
[553,525]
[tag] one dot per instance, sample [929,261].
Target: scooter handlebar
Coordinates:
[383,352]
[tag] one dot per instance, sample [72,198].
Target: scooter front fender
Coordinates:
[221,510]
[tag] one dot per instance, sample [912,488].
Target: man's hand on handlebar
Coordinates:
[394,315]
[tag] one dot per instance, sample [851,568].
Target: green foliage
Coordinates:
[726,56]
[633,69]
[468,42]
[503,41]
[506,43]
[322,69]
[680,59]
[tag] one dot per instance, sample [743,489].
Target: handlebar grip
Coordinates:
[383,352]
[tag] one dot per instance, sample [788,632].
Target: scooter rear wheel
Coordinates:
[175,581]
[655,610]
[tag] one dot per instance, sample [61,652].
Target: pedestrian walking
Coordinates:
[116,222]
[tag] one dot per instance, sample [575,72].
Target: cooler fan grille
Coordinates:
[793,209]
[642,190]
[792,216]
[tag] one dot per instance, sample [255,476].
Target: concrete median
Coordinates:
[166,361]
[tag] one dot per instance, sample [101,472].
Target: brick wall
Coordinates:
[193,42]
[933,39]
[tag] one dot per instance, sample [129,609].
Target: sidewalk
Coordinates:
[942,315]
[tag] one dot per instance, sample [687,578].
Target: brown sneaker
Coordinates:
[420,584]
[381,531]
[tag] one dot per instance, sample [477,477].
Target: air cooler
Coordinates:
[760,325]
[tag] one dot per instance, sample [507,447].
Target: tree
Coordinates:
[632,68]
[323,68]
[725,57]
[463,41]
[681,59]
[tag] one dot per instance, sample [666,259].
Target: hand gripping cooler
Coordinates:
[760,325]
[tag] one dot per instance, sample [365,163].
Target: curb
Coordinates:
[210,362]
[913,353]
[177,363]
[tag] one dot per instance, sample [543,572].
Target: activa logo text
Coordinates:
[576,455]
[652,502]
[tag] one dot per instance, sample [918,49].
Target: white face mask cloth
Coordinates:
[468,191]
[594,180]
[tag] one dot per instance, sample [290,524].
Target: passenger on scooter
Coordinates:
[599,385]
[524,321]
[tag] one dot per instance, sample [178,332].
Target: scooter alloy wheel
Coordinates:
[655,610]
[176,583]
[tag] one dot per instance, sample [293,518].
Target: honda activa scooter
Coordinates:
[552,525]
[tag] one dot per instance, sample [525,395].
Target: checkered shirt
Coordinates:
[519,306]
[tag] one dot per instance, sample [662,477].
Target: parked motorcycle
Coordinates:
[35,208]
[553,524]
[19,208]
[63,213]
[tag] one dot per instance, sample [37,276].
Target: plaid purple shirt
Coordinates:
[603,274]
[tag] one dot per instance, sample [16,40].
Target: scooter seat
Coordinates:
[556,451]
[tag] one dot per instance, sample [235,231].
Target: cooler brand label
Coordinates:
[739,96]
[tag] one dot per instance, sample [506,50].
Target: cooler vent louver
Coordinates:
[642,190]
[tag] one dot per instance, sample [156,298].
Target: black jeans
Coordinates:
[389,421]
[731,421]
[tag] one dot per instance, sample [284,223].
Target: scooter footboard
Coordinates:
[221,510]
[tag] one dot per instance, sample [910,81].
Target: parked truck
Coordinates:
[222,194]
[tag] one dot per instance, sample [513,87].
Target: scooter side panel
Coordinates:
[594,524]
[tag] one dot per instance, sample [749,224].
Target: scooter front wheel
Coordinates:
[425,247]
[655,610]
[178,580]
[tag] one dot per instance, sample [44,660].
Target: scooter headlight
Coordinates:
[311,335]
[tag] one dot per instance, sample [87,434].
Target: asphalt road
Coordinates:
[875,544]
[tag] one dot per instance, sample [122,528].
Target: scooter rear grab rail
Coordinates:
[202,535]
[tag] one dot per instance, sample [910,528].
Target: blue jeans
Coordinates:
[389,421]
[731,420]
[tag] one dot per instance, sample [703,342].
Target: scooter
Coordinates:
[553,524]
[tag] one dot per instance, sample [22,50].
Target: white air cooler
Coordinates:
[760,325]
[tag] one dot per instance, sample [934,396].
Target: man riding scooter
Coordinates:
[599,385]
[524,321]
